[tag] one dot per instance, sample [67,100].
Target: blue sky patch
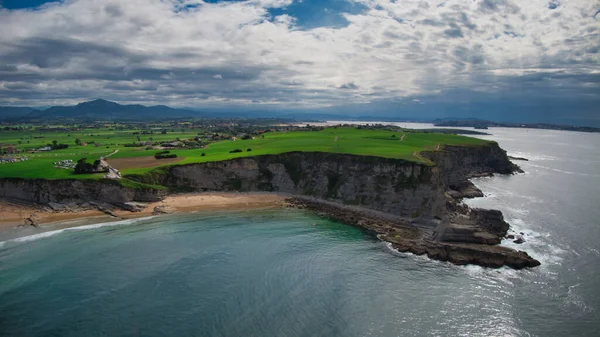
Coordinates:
[320,13]
[18,4]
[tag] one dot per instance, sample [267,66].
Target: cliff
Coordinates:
[422,197]
[395,186]
[41,191]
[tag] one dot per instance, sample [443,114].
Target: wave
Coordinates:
[540,245]
[565,172]
[534,157]
[48,234]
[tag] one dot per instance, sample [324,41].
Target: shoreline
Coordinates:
[402,235]
[13,222]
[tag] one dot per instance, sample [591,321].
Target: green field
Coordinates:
[369,142]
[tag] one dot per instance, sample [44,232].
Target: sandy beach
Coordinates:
[13,215]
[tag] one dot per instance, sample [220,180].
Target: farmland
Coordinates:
[94,143]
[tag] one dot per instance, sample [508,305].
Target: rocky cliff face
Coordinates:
[458,163]
[42,191]
[394,186]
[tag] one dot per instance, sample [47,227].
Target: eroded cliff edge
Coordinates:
[416,207]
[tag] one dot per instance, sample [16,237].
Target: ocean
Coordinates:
[287,272]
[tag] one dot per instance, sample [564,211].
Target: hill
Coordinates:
[107,110]
[7,112]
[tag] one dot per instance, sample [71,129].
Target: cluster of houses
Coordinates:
[8,160]
[65,164]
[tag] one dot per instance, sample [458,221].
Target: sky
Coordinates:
[533,60]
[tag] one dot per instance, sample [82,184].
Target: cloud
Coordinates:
[195,53]
[349,85]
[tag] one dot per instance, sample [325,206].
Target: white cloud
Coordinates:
[167,51]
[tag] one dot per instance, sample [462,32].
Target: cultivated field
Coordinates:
[101,142]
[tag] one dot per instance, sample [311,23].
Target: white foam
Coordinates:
[565,172]
[533,157]
[36,236]
[539,245]
[48,234]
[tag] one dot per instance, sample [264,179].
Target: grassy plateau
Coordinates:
[101,142]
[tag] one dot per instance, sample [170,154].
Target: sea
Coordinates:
[287,272]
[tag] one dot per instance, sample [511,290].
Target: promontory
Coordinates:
[402,185]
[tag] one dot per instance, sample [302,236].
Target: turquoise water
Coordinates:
[272,273]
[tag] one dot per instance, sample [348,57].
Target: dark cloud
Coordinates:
[503,6]
[349,85]
[113,10]
[53,52]
[454,31]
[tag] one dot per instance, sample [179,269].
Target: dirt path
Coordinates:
[115,151]
[113,173]
[418,156]
[402,138]
[336,139]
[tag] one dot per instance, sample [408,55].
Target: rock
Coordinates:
[517,158]
[55,206]
[32,220]
[133,206]
[162,210]
[104,207]
[510,236]
[519,239]
[469,243]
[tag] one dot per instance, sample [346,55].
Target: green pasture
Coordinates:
[349,140]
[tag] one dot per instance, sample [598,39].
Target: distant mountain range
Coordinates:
[102,110]
[97,110]
[7,112]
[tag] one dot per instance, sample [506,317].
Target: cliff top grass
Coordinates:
[405,145]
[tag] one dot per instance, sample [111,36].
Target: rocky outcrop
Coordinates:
[158,210]
[406,237]
[32,220]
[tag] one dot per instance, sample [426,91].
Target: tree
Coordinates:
[83,166]
[163,131]
[78,141]
[54,143]
[138,138]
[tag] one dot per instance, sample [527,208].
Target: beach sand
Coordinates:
[13,215]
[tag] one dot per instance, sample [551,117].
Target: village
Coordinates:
[52,151]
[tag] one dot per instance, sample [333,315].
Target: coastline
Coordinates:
[403,235]
[416,207]
[15,215]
